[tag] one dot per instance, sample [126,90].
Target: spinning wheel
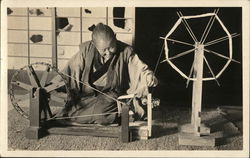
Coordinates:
[201,45]
[197,50]
[40,100]
[24,92]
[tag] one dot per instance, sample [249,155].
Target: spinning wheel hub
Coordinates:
[198,45]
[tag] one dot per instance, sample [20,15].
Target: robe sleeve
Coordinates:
[138,72]
[73,70]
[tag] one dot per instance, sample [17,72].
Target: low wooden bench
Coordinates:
[126,131]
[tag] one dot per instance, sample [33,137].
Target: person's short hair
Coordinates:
[103,32]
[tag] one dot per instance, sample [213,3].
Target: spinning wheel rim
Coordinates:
[12,93]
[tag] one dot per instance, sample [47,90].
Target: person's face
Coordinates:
[106,48]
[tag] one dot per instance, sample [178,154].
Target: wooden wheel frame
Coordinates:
[200,45]
[39,75]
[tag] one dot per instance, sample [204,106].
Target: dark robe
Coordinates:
[125,74]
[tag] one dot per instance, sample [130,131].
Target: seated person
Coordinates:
[104,65]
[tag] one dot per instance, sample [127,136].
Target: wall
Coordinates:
[30,32]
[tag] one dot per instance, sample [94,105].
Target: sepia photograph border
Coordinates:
[245,4]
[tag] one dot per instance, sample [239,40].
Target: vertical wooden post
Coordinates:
[197,88]
[28,31]
[80,24]
[54,37]
[107,15]
[34,130]
[133,27]
[149,113]
[125,123]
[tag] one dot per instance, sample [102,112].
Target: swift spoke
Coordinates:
[220,39]
[45,76]
[54,86]
[211,71]
[187,27]
[32,76]
[163,61]
[177,41]
[22,85]
[181,54]
[190,73]
[220,55]
[208,27]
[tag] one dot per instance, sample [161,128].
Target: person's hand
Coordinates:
[151,80]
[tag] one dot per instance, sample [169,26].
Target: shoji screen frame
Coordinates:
[54,40]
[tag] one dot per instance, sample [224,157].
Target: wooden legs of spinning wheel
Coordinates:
[138,129]
[34,131]
[125,124]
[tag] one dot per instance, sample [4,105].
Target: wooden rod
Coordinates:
[181,54]
[209,26]
[190,74]
[187,26]
[173,40]
[210,69]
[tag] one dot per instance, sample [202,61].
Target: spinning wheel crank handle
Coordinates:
[155,101]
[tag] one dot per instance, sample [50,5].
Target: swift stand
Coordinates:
[196,133]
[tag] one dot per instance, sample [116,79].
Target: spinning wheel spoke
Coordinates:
[22,85]
[187,27]
[177,41]
[181,54]
[54,86]
[205,59]
[57,99]
[208,27]
[32,76]
[49,111]
[220,55]
[220,39]
[21,98]
[45,76]
[46,112]
[61,94]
